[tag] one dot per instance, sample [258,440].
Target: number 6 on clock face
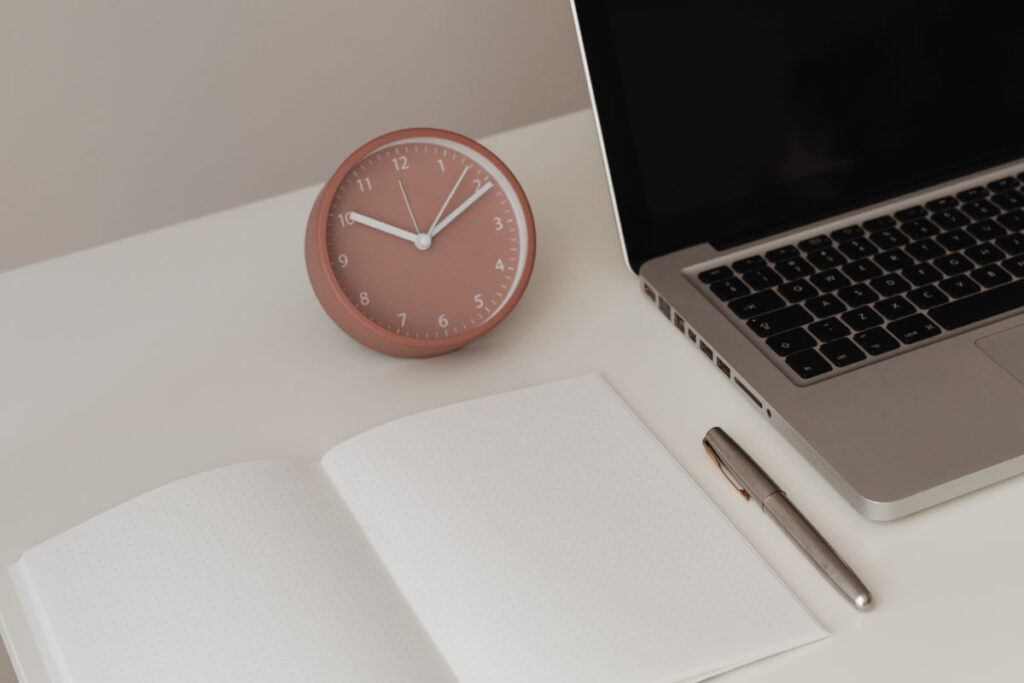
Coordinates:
[421,242]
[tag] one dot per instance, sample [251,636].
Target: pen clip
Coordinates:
[725,469]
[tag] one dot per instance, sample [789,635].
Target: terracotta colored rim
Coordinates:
[338,306]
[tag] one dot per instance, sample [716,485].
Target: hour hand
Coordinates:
[356,217]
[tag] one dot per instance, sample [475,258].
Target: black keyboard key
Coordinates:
[955,240]
[862,318]
[782,253]
[985,253]
[857,295]
[919,229]
[880,223]
[797,290]
[913,329]
[825,306]
[847,233]
[991,276]
[1012,221]
[842,352]
[889,285]
[876,341]
[861,270]
[1003,184]
[894,259]
[972,194]
[749,263]
[828,329]
[792,268]
[815,243]
[780,320]
[980,209]
[925,250]
[942,203]
[1015,265]
[971,309]
[888,239]
[1009,201]
[895,307]
[909,214]
[986,230]
[808,363]
[949,219]
[756,304]
[927,297]
[829,280]
[954,264]
[857,248]
[959,286]
[1011,244]
[791,341]
[826,258]
[715,274]
[762,278]
[729,289]
[922,274]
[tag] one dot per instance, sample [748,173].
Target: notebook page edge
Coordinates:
[823,632]
[43,636]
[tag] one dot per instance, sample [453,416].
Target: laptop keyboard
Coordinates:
[836,299]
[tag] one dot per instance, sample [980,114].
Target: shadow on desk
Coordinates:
[6,670]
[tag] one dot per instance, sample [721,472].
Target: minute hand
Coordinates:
[458,210]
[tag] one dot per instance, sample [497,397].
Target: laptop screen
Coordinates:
[725,121]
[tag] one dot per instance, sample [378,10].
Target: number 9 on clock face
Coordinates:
[420,243]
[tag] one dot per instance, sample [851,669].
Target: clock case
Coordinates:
[346,314]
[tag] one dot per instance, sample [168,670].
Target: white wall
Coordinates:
[120,116]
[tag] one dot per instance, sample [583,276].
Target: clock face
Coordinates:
[428,238]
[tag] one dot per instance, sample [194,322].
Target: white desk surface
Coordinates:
[133,364]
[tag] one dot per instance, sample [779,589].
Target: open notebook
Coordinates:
[541,535]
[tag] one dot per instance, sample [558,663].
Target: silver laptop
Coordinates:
[828,201]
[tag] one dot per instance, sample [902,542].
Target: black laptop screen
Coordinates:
[725,121]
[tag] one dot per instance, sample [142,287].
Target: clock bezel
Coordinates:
[346,314]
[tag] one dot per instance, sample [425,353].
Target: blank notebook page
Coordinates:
[545,535]
[250,573]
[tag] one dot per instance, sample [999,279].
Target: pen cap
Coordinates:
[740,466]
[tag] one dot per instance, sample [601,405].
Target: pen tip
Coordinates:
[862,601]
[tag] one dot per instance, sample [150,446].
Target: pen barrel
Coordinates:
[817,549]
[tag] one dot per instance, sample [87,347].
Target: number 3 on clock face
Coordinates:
[420,243]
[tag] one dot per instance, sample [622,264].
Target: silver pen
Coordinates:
[751,481]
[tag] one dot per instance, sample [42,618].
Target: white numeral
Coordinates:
[346,219]
[477,184]
[364,184]
[478,300]
[364,299]
[500,265]
[400,163]
[440,162]
[401,319]
[343,260]
[498,225]
[442,321]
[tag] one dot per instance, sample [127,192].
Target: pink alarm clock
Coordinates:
[421,242]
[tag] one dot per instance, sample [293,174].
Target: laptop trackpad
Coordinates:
[1006,349]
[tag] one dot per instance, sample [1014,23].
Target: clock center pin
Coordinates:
[423,241]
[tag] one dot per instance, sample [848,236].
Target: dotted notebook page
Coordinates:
[544,535]
[254,572]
